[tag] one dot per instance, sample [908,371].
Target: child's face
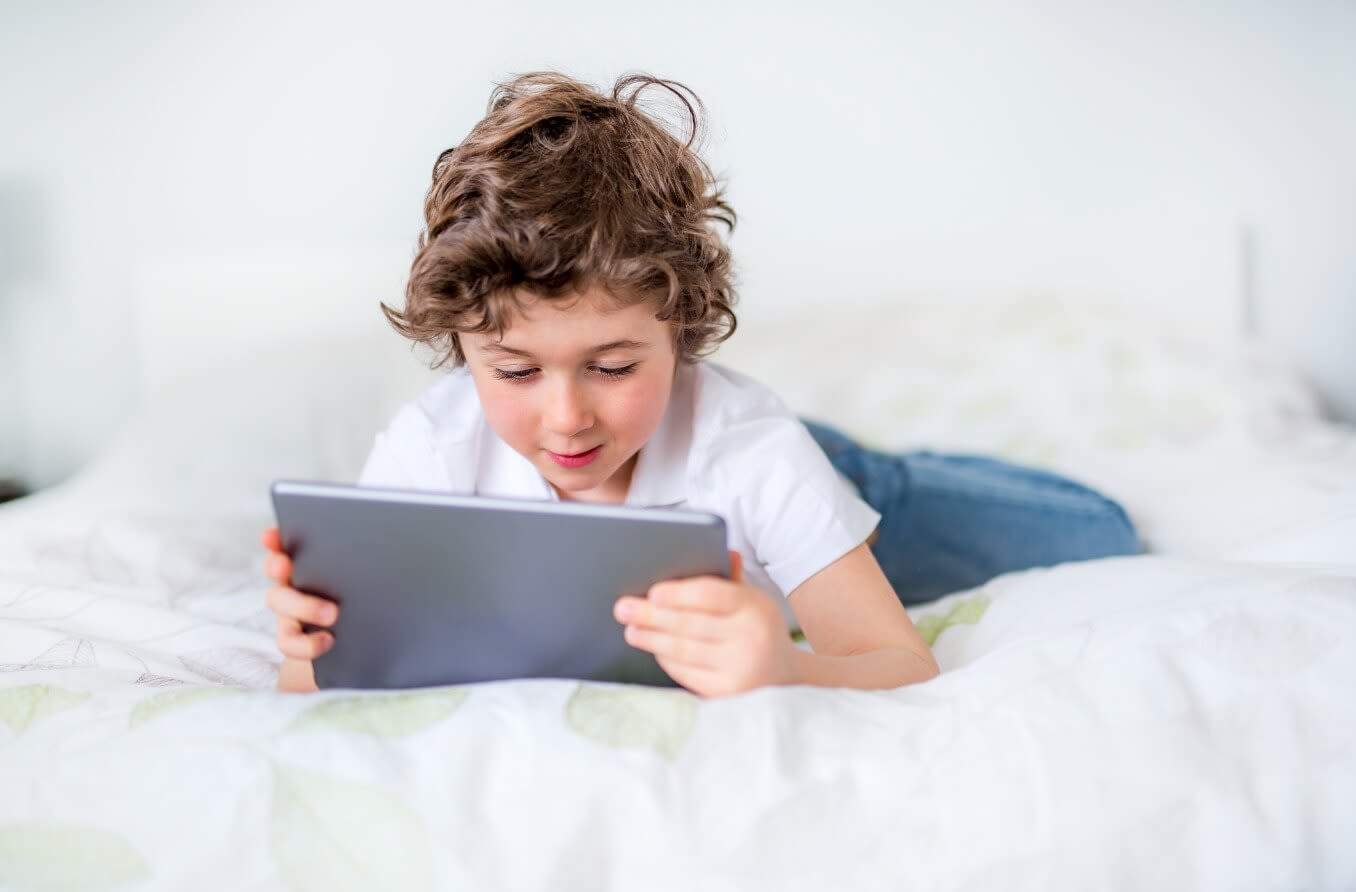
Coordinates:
[560,395]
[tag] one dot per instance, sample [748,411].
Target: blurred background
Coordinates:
[145,138]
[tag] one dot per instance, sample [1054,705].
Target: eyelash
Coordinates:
[525,374]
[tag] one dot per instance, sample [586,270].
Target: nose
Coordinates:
[567,411]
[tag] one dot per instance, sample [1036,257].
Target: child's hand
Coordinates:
[714,636]
[294,608]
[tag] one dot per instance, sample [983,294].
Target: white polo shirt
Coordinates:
[726,444]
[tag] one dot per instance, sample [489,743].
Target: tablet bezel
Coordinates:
[630,544]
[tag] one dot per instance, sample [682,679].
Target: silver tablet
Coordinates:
[436,588]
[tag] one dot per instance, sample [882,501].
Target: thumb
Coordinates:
[736,566]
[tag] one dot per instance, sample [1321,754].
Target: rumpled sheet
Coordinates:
[1150,722]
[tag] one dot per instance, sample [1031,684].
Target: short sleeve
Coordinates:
[797,512]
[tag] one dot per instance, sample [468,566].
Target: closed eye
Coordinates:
[612,372]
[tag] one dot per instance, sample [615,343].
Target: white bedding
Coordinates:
[1178,720]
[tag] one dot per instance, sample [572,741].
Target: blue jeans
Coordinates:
[952,522]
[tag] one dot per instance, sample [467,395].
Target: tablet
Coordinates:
[436,588]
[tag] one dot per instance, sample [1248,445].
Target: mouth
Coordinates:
[577,460]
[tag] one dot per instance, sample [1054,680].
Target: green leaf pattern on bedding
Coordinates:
[26,704]
[331,835]
[633,717]
[966,611]
[38,857]
[384,714]
[153,707]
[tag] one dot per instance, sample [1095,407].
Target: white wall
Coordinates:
[162,129]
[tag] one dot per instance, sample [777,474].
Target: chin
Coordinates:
[575,483]
[578,483]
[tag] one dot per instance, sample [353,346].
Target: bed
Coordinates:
[1181,719]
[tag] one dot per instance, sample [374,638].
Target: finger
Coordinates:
[709,684]
[674,620]
[291,640]
[672,647]
[278,567]
[709,593]
[736,566]
[271,539]
[299,645]
[700,680]
[292,604]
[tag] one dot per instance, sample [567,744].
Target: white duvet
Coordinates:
[1168,721]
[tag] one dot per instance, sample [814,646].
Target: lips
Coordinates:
[575,460]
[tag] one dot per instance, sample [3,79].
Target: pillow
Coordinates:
[1207,439]
[1032,379]
[290,408]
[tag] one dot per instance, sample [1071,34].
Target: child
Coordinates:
[571,275]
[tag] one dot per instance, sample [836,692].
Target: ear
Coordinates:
[736,566]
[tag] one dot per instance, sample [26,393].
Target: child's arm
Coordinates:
[861,634]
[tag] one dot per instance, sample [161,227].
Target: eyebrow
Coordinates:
[601,348]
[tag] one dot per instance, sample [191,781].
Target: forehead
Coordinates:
[576,321]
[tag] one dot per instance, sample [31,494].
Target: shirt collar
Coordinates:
[658,480]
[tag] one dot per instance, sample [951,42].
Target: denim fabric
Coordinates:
[951,522]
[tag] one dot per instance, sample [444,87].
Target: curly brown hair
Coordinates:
[560,188]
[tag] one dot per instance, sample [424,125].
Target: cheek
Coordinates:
[635,411]
[513,418]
